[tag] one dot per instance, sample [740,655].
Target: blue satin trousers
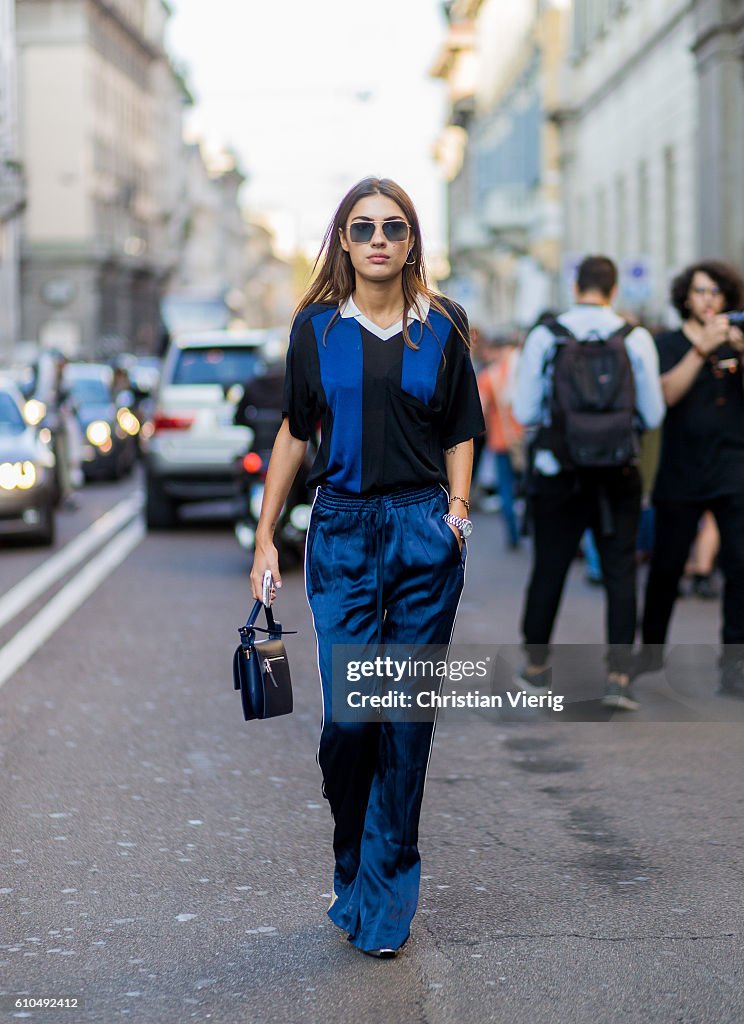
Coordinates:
[378,569]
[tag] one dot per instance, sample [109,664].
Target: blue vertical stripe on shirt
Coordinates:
[341,373]
[419,371]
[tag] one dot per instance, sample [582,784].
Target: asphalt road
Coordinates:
[164,861]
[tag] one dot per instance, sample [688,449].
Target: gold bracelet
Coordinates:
[456,497]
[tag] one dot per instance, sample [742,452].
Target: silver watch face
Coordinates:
[466,529]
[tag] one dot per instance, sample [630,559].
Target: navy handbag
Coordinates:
[261,668]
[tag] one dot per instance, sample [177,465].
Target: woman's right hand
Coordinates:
[266,557]
[714,334]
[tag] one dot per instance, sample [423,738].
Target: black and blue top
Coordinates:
[386,411]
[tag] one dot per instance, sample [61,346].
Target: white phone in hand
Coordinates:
[267,587]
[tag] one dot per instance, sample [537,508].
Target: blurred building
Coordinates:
[652,137]
[100,115]
[629,138]
[718,47]
[595,126]
[500,155]
[208,286]
[171,99]
[270,293]
[12,195]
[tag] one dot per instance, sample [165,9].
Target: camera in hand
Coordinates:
[736,319]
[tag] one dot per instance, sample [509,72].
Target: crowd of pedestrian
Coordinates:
[633,451]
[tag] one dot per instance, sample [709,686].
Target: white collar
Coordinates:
[419,311]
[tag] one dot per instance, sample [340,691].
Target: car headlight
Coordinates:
[17,475]
[34,412]
[98,433]
[128,421]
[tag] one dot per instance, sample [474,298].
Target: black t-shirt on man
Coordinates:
[702,450]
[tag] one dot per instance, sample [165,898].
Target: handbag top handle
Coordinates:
[249,630]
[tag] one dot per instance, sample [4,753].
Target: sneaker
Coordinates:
[620,697]
[533,683]
[731,681]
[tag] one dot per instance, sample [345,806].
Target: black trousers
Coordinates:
[676,526]
[562,507]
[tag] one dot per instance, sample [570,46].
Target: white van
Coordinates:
[194,442]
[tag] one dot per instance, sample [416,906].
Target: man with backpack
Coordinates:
[589,384]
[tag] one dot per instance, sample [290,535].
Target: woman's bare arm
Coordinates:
[458,461]
[286,459]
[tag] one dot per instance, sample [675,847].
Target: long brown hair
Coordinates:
[334,276]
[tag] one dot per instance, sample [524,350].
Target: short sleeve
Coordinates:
[299,404]
[671,349]
[462,414]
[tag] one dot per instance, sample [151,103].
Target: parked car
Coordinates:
[110,427]
[27,483]
[191,453]
[48,407]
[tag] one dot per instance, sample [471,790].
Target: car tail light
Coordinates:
[252,462]
[163,421]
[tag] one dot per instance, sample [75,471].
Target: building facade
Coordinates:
[270,293]
[718,48]
[629,135]
[95,255]
[612,126]
[12,192]
[213,263]
[500,154]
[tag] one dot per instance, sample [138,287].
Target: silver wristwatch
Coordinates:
[463,525]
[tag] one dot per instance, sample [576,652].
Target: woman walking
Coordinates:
[381,363]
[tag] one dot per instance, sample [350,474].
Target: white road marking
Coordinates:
[39,630]
[62,561]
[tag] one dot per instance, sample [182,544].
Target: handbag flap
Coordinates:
[276,683]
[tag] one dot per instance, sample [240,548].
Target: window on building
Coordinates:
[621,217]
[670,207]
[580,233]
[579,28]
[644,241]
[602,16]
[600,219]
[591,19]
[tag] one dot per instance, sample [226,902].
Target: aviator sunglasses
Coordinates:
[394,230]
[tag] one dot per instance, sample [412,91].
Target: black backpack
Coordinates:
[593,422]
